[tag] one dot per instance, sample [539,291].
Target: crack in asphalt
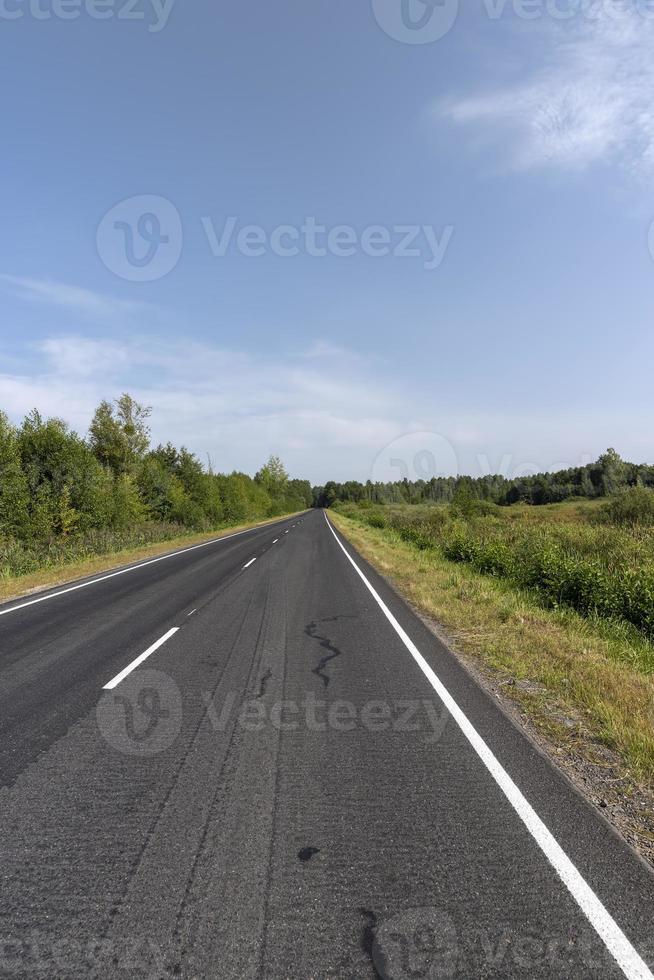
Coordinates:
[326,644]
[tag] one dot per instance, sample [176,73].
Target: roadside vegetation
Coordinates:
[65,499]
[559,599]
[599,564]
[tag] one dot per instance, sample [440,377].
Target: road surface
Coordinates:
[250,759]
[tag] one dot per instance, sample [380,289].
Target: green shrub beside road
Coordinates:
[601,564]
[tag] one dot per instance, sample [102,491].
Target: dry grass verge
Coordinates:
[14,588]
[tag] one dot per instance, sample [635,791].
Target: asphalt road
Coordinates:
[300,781]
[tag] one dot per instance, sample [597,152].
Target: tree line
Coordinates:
[605,477]
[56,484]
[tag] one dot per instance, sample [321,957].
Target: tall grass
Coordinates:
[20,558]
[595,568]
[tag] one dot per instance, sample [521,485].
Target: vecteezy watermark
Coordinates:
[45,955]
[517,469]
[416,21]
[341,241]
[567,10]
[154,13]
[426,21]
[423,456]
[428,943]
[416,943]
[141,239]
[415,456]
[402,716]
[143,715]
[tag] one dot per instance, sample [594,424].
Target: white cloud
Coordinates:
[591,102]
[329,418]
[237,407]
[71,297]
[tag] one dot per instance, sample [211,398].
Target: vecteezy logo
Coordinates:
[417,943]
[416,21]
[143,715]
[140,239]
[415,456]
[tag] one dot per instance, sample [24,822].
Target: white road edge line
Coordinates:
[139,660]
[131,568]
[625,955]
[251,562]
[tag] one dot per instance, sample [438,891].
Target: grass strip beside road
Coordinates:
[576,679]
[15,587]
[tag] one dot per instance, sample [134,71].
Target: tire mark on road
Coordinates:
[368,931]
[263,684]
[193,740]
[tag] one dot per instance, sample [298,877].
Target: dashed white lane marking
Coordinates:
[124,571]
[191,612]
[139,660]
[276,540]
[251,562]
[602,922]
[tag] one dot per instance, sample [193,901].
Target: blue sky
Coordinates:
[513,155]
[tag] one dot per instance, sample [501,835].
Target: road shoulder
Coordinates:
[475,620]
[69,574]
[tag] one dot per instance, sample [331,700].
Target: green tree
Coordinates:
[63,477]
[14,491]
[234,497]
[119,435]
[614,472]
[273,477]
[155,480]
[127,507]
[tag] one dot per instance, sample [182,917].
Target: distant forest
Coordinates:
[607,476]
[55,484]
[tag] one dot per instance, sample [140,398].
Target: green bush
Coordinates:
[596,570]
[376,519]
[631,507]
[22,558]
